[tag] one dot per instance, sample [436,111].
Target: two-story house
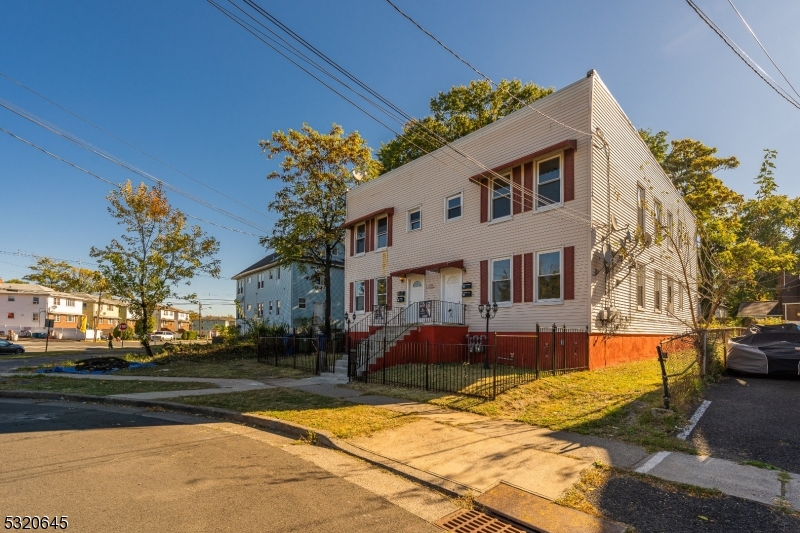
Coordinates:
[172,319]
[558,213]
[102,314]
[274,291]
[24,307]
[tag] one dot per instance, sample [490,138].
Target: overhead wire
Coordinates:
[123,141]
[486,170]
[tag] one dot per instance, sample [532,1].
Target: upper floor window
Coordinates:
[668,230]
[658,219]
[640,280]
[414,220]
[657,290]
[277,307]
[301,303]
[453,207]
[260,280]
[359,295]
[641,205]
[548,276]
[381,232]
[270,274]
[11,298]
[501,198]
[249,279]
[56,301]
[278,272]
[70,302]
[670,296]
[548,184]
[35,300]
[501,280]
[361,238]
[380,292]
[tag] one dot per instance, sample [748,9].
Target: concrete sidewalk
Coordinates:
[467,452]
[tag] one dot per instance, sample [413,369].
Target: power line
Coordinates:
[123,141]
[119,162]
[762,47]
[743,56]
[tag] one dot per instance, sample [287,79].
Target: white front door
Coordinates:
[416,293]
[319,314]
[451,308]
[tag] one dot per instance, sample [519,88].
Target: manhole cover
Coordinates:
[471,521]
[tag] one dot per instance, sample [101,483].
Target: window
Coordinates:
[278,272]
[10,315]
[35,300]
[56,318]
[670,222]
[70,318]
[35,317]
[414,220]
[657,290]
[277,307]
[453,207]
[381,232]
[10,298]
[100,321]
[260,281]
[361,238]
[249,307]
[641,204]
[549,183]
[548,276]
[501,280]
[641,273]
[270,274]
[239,287]
[70,302]
[270,307]
[260,310]
[359,291]
[301,303]
[669,295]
[658,212]
[380,292]
[249,279]
[56,301]
[501,198]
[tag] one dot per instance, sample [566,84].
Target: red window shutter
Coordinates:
[527,183]
[367,235]
[569,175]
[517,279]
[484,201]
[516,193]
[371,293]
[352,241]
[484,282]
[389,295]
[569,273]
[352,294]
[528,261]
[389,232]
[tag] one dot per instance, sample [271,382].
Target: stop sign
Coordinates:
[123,327]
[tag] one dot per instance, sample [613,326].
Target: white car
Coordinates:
[164,335]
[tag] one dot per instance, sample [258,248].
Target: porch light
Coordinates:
[488,311]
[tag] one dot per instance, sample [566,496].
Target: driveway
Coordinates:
[752,419]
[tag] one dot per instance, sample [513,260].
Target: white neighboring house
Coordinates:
[548,232]
[24,307]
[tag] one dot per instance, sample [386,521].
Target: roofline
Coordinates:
[336,264]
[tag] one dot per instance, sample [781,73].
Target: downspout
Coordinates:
[590,202]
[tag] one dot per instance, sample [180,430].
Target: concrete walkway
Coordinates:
[471,452]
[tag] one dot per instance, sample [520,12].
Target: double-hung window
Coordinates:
[641,205]
[361,238]
[501,280]
[301,303]
[278,272]
[259,309]
[277,307]
[501,197]
[640,283]
[359,296]
[658,220]
[11,298]
[670,296]
[35,300]
[414,220]
[657,290]
[270,307]
[548,276]
[452,207]
[548,184]
[669,230]
[380,292]
[381,232]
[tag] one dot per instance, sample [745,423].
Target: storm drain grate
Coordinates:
[471,521]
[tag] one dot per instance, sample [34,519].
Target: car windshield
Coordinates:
[4,343]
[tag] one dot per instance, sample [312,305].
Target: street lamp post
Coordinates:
[488,311]
[348,321]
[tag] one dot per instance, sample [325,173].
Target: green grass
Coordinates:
[759,464]
[615,402]
[342,419]
[94,387]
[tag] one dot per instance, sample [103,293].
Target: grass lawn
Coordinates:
[341,418]
[247,368]
[615,402]
[95,387]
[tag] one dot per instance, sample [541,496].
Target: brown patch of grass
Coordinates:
[94,387]
[592,478]
[343,419]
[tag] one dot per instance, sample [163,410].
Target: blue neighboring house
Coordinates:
[279,292]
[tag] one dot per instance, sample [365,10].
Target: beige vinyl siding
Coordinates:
[632,165]
[427,181]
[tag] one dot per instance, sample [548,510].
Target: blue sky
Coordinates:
[185,84]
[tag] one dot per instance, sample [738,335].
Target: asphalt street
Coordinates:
[126,470]
[752,419]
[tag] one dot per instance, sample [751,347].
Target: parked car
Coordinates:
[10,347]
[163,335]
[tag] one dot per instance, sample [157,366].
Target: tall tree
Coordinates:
[317,171]
[157,251]
[61,276]
[461,110]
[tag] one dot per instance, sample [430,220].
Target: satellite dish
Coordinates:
[358,175]
[607,255]
[614,225]
[648,239]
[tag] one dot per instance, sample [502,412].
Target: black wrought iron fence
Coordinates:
[474,368]
[312,355]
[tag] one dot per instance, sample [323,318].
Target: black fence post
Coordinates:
[553,350]
[383,360]
[661,358]
[427,364]
[494,369]
[318,355]
[538,340]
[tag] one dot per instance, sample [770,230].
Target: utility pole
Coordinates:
[200,317]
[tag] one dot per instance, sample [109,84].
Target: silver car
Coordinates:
[164,335]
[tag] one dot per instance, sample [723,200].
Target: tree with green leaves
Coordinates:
[158,251]
[461,110]
[61,276]
[317,170]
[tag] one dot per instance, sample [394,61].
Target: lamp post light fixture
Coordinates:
[488,311]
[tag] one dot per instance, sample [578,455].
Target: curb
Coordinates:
[433,481]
